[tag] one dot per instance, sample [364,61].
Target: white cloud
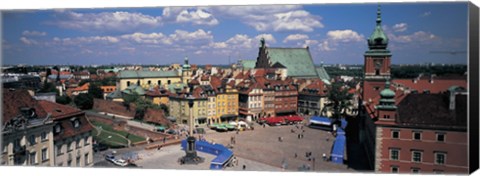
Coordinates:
[272,17]
[197,37]
[308,43]
[268,38]
[106,21]
[85,40]
[33,33]
[294,37]
[27,41]
[419,36]
[344,36]
[400,27]
[152,38]
[325,46]
[197,17]
[198,52]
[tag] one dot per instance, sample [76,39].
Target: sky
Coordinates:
[334,33]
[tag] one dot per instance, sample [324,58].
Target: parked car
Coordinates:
[110,157]
[120,162]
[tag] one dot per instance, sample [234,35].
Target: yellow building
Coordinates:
[211,105]
[146,79]
[227,103]
[158,96]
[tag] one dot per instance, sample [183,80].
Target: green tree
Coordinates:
[339,98]
[63,99]
[84,101]
[95,91]
[48,87]
[165,109]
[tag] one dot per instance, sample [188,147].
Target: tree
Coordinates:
[63,99]
[95,91]
[48,87]
[165,109]
[84,101]
[340,99]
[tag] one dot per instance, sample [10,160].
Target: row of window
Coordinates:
[32,139]
[149,82]
[69,162]
[33,157]
[70,146]
[417,156]
[417,135]
[395,169]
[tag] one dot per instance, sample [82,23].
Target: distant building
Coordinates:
[49,96]
[297,61]
[246,64]
[312,98]
[107,90]
[179,108]
[146,79]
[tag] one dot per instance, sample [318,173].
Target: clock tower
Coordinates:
[377,61]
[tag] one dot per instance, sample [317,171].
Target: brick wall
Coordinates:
[113,107]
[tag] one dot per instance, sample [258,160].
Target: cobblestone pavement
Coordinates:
[258,150]
[262,145]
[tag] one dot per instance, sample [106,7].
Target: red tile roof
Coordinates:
[438,85]
[59,111]
[14,100]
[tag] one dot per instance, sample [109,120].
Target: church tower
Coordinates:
[377,61]
[186,71]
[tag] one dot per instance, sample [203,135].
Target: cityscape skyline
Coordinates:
[418,33]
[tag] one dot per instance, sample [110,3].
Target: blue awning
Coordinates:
[338,149]
[344,123]
[321,120]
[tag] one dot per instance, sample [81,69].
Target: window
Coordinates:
[4,149]
[386,116]
[394,169]
[416,156]
[138,82]
[168,82]
[159,82]
[44,154]
[76,123]
[149,82]
[78,162]
[394,154]
[417,135]
[415,170]
[87,159]
[78,143]
[128,83]
[44,136]
[33,158]
[58,128]
[59,150]
[70,146]
[441,137]
[32,140]
[440,157]
[395,134]
[16,143]
[85,140]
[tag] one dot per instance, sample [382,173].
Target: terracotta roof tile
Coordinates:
[14,100]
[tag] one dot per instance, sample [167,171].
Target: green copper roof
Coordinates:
[298,61]
[178,86]
[115,94]
[322,73]
[387,93]
[146,74]
[248,64]
[134,88]
[378,40]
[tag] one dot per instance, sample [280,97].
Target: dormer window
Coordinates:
[58,128]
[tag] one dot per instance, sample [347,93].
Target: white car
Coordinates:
[120,162]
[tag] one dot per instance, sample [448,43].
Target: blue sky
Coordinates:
[335,33]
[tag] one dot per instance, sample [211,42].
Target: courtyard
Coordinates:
[258,150]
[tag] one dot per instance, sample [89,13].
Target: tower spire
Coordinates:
[379,15]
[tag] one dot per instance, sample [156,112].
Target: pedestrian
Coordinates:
[244,167]
[324,156]
[298,136]
[295,154]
